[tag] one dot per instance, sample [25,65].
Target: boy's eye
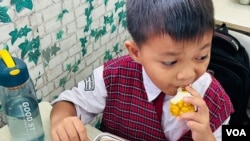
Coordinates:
[169,63]
[202,57]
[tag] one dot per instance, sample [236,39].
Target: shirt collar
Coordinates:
[152,91]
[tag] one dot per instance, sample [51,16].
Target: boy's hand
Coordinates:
[198,121]
[69,129]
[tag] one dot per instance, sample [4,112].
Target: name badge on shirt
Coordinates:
[89,83]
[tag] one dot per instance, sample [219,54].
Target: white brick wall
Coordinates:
[41,4]
[42,19]
[4,30]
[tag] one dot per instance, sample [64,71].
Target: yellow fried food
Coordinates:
[178,106]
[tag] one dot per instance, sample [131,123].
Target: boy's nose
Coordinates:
[186,74]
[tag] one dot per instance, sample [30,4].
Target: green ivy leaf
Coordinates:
[18,34]
[105,2]
[24,31]
[84,51]
[83,41]
[60,16]
[75,67]
[46,54]
[6,47]
[35,43]
[124,23]
[89,10]
[78,62]
[107,56]
[116,48]
[63,81]
[59,34]
[86,29]
[103,31]
[109,19]
[87,26]
[14,36]
[83,45]
[24,48]
[113,28]
[34,56]
[93,32]
[39,100]
[89,21]
[97,33]
[4,17]
[54,50]
[32,48]
[119,4]
[20,4]
[121,15]
[89,1]
[68,67]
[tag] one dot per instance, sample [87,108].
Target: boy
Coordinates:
[170,49]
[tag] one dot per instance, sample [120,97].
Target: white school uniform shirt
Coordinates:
[89,98]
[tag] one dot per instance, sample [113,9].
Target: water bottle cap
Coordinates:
[13,71]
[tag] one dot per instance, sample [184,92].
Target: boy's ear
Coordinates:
[133,50]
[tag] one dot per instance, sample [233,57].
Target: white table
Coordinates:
[45,109]
[234,14]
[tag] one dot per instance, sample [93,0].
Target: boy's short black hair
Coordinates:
[181,19]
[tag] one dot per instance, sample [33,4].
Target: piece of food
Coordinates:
[178,106]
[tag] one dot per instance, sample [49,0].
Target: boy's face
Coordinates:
[171,64]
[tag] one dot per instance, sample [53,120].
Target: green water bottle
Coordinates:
[19,100]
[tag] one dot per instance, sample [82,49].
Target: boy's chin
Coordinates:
[171,92]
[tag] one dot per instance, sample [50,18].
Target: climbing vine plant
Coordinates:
[19,5]
[97,33]
[30,46]
[27,47]
[4,17]
[24,37]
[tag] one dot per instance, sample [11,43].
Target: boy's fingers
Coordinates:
[196,100]
[192,91]
[72,132]
[71,129]
[62,134]
[81,130]
[55,137]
